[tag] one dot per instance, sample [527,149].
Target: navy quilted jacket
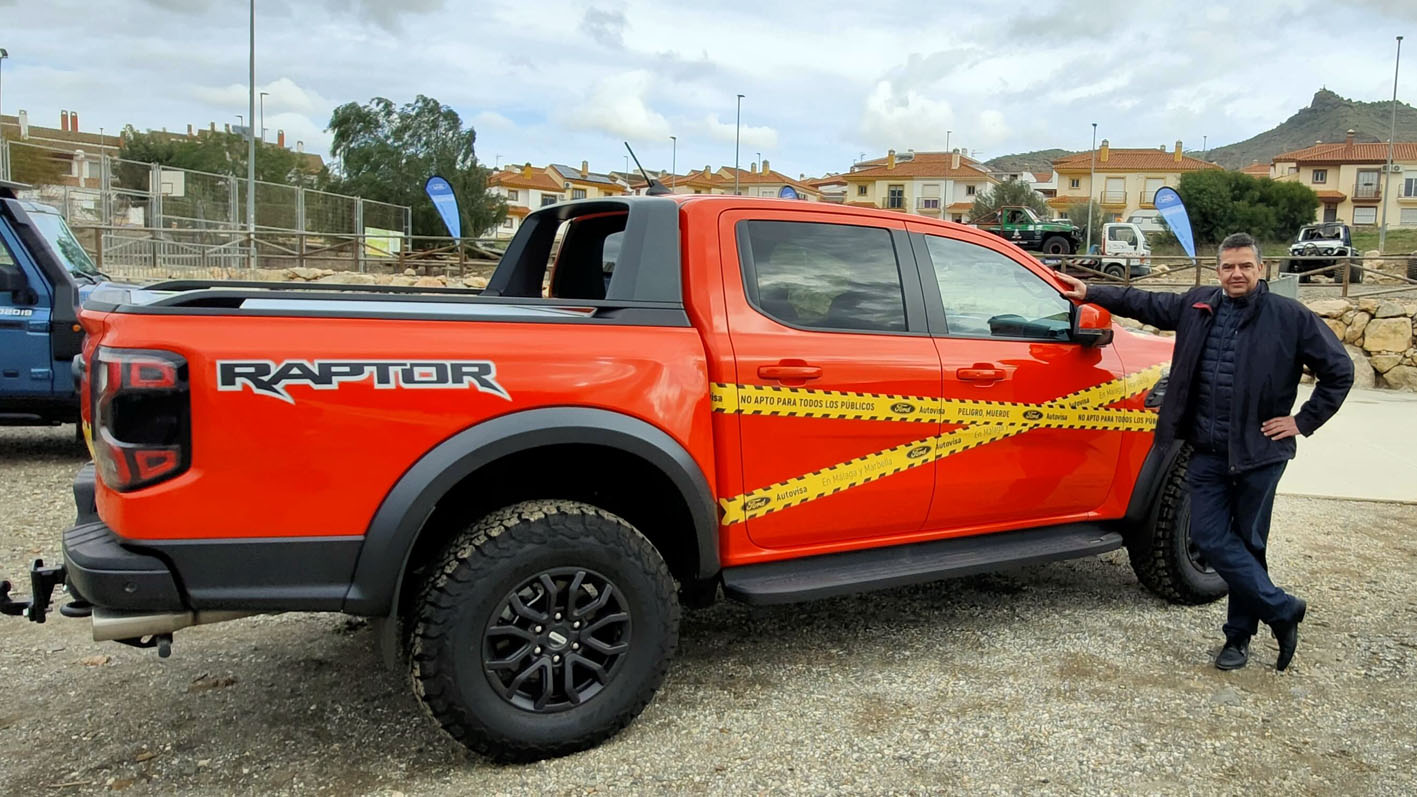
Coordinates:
[1215,379]
[1274,338]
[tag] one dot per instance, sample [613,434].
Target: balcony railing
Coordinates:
[1365,191]
[894,203]
[927,203]
[1114,197]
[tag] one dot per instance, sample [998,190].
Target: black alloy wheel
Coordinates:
[557,639]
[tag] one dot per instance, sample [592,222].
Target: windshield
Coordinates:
[61,239]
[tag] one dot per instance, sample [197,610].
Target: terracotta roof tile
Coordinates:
[921,168]
[1256,170]
[1331,196]
[539,180]
[1356,152]
[1132,160]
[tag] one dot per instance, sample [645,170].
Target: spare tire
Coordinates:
[1412,266]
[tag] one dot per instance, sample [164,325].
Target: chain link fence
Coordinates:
[152,218]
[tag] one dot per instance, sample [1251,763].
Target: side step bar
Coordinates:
[898,565]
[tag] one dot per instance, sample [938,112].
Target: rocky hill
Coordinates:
[1037,161]
[1328,118]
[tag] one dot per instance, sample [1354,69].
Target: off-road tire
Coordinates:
[1160,551]
[1355,273]
[469,589]
[1412,266]
[1114,271]
[1057,245]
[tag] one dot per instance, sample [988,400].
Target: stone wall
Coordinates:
[1379,335]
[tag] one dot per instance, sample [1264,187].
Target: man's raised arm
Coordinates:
[1159,309]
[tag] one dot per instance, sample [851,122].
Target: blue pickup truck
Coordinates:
[44,276]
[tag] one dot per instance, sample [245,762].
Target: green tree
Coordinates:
[1077,214]
[387,153]
[214,152]
[1010,193]
[1221,202]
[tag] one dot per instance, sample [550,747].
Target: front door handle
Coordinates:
[980,373]
[783,371]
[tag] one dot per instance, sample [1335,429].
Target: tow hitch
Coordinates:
[43,580]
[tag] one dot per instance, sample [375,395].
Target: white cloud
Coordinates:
[616,105]
[892,118]
[284,95]
[491,120]
[385,13]
[763,137]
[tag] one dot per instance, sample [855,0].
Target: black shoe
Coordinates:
[1234,655]
[1287,635]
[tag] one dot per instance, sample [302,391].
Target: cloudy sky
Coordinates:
[825,81]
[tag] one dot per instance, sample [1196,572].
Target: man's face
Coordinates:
[1239,271]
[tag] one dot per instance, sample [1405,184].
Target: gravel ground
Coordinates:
[1066,678]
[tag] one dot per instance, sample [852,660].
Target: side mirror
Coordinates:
[1092,325]
[12,279]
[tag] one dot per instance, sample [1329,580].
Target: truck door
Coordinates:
[1121,240]
[26,364]
[1001,332]
[822,310]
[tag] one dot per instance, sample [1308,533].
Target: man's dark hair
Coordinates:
[1240,240]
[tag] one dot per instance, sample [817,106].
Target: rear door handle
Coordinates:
[980,374]
[789,371]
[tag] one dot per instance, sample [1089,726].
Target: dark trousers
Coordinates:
[1230,525]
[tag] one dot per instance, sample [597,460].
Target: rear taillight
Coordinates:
[140,411]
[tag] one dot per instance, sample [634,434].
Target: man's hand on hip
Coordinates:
[1280,428]
[1077,289]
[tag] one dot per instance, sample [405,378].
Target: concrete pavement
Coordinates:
[1367,451]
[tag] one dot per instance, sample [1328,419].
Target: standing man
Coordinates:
[1240,351]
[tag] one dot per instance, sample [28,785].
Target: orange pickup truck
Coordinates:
[655,398]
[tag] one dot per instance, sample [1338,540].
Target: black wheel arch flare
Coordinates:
[397,524]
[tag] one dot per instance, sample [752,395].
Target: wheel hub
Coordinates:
[556,640]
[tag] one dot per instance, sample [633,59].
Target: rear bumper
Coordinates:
[251,574]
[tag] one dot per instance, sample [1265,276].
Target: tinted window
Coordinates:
[987,294]
[825,275]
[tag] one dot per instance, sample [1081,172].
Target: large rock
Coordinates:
[1388,334]
[1367,305]
[430,282]
[1383,363]
[1402,377]
[1356,327]
[1390,310]
[1363,374]
[348,278]
[303,273]
[474,282]
[1330,308]
[402,280]
[1339,330]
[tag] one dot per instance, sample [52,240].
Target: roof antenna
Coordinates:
[655,187]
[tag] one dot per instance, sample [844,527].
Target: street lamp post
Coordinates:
[947,140]
[1091,179]
[673,160]
[251,149]
[737,130]
[1391,137]
[3,55]
[263,116]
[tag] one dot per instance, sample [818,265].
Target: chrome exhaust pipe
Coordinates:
[109,624]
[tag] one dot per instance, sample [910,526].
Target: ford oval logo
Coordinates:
[917,452]
[1032,415]
[757,503]
[902,407]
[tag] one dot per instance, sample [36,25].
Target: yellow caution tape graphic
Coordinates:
[988,422]
[806,403]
